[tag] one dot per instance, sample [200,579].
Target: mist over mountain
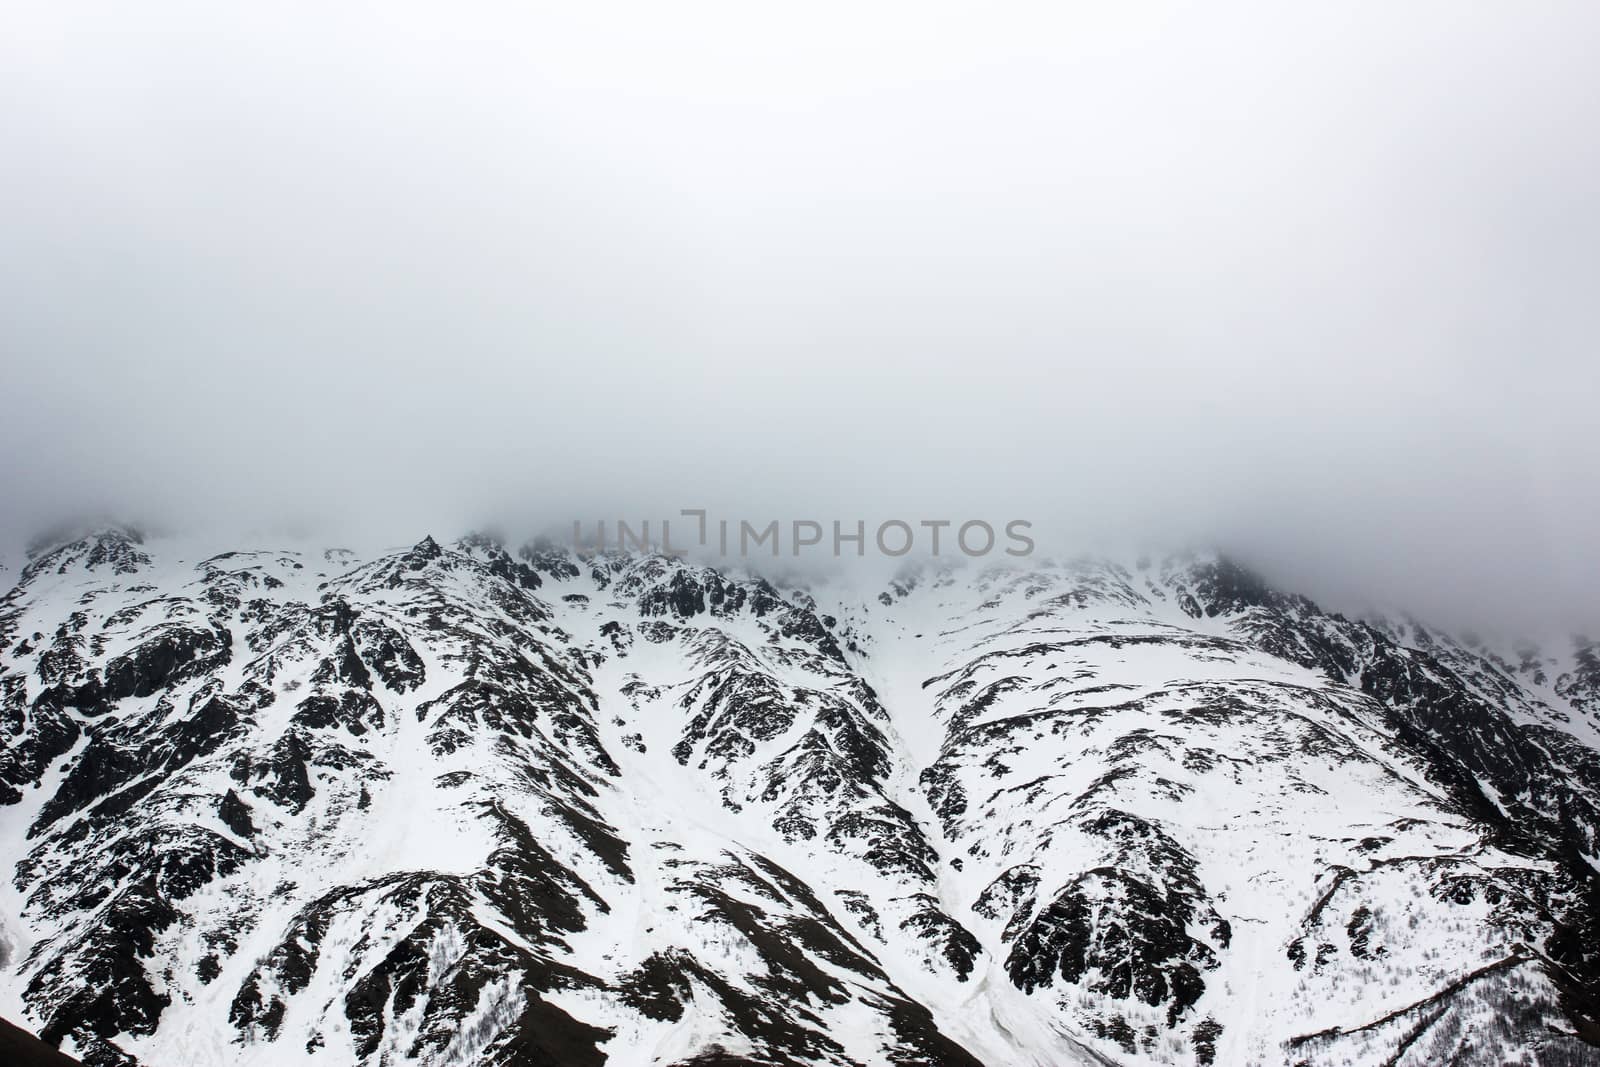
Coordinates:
[1315,286]
[1268,332]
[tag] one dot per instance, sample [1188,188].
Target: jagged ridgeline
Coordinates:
[479,804]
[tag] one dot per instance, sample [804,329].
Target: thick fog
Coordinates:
[1315,283]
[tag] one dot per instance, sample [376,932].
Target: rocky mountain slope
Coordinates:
[471,803]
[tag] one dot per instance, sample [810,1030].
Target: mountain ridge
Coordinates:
[461,803]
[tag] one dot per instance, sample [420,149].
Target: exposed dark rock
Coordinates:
[235,815]
[282,776]
[169,655]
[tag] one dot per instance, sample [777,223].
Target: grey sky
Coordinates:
[1317,283]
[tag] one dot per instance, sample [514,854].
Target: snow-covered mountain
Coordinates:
[461,804]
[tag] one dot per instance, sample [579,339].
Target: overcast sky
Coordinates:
[1316,281]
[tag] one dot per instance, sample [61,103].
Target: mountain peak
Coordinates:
[113,547]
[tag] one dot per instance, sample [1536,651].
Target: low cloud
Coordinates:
[1317,286]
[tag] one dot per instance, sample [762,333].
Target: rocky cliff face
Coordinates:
[461,804]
